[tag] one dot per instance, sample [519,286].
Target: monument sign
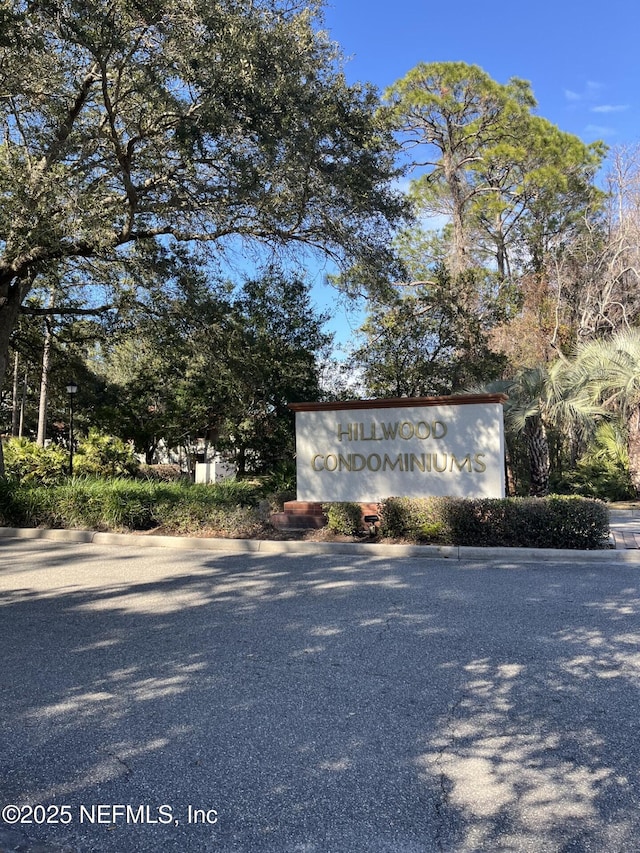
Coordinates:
[367,450]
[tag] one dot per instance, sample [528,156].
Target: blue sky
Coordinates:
[581,58]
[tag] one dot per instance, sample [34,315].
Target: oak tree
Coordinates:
[163,120]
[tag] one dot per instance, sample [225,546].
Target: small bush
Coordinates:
[343,517]
[282,478]
[26,461]
[552,522]
[161,473]
[430,532]
[418,519]
[97,455]
[100,455]
[193,519]
[601,480]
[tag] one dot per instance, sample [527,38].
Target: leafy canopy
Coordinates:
[180,120]
[503,175]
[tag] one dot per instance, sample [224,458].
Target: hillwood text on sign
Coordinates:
[366,450]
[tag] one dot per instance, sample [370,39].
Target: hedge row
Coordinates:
[237,509]
[230,508]
[551,522]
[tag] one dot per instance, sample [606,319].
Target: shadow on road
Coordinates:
[321,703]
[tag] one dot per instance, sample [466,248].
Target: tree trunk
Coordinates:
[633,431]
[44,380]
[12,293]
[23,402]
[241,462]
[459,261]
[510,480]
[539,461]
[502,257]
[9,310]
[15,407]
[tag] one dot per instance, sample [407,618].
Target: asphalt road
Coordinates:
[317,704]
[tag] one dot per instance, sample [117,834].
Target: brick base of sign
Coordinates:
[299,515]
[308,515]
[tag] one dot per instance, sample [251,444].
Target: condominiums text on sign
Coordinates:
[415,447]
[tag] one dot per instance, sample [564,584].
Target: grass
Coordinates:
[230,508]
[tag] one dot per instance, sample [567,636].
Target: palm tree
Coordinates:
[607,371]
[525,412]
[539,398]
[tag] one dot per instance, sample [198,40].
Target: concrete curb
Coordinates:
[268,546]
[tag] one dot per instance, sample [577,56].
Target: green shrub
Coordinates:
[430,532]
[602,480]
[26,461]
[100,455]
[551,522]
[195,519]
[230,491]
[418,519]
[343,517]
[161,473]
[23,505]
[122,504]
[97,455]
[282,478]
[573,522]
[603,470]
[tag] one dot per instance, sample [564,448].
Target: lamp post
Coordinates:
[72,390]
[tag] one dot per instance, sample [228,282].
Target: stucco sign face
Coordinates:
[365,451]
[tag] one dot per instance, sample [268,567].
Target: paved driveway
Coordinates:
[317,704]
